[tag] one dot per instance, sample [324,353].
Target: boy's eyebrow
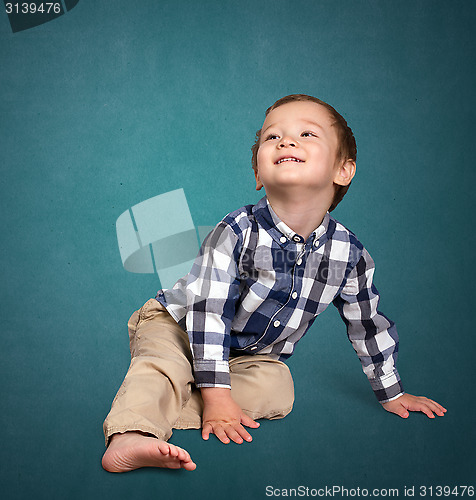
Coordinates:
[311,122]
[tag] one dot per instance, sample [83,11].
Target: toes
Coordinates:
[189,465]
[164,448]
[183,459]
[175,457]
[183,454]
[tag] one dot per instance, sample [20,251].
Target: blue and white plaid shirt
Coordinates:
[256,287]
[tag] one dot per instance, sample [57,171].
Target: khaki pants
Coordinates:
[158,393]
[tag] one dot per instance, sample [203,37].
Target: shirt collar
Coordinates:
[281,232]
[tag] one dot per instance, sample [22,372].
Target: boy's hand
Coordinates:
[406,402]
[223,417]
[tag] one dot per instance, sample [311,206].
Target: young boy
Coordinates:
[262,276]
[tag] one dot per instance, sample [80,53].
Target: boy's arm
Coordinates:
[373,336]
[375,340]
[212,292]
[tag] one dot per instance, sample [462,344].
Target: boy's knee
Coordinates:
[153,332]
[279,390]
[264,388]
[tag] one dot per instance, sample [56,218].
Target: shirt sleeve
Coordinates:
[373,336]
[212,291]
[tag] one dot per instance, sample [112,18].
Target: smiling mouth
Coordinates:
[291,158]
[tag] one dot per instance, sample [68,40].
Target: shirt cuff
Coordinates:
[387,387]
[212,374]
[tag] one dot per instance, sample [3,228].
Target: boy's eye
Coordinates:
[271,136]
[308,134]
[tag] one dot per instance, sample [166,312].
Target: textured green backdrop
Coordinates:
[116,102]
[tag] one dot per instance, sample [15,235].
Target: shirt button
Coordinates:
[297,239]
[316,243]
[276,323]
[283,239]
[299,262]
[294,295]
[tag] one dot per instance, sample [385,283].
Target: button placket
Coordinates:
[276,324]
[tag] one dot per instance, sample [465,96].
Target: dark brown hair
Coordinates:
[347,147]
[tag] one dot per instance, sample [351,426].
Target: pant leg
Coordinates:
[262,386]
[158,382]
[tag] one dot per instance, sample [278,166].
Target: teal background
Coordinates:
[116,102]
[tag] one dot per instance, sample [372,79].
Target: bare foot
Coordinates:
[133,450]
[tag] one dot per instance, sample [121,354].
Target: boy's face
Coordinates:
[298,147]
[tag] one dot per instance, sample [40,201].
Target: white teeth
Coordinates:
[289,159]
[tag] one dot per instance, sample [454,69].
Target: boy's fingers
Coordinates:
[402,412]
[221,434]
[244,433]
[438,409]
[234,435]
[435,407]
[207,428]
[225,434]
[403,405]
[398,409]
[427,406]
[248,421]
[438,406]
[427,411]
[433,404]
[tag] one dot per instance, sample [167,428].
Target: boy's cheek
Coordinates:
[263,153]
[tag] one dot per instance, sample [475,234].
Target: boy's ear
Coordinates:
[345,173]
[259,184]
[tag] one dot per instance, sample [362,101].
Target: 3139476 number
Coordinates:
[33,8]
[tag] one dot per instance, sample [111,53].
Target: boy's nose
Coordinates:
[287,142]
